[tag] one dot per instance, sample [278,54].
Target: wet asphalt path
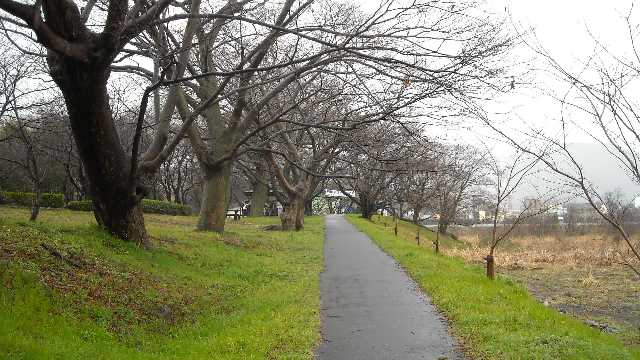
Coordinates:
[371,309]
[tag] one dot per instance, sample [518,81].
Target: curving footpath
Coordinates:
[371,309]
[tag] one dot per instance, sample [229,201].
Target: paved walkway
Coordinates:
[371,309]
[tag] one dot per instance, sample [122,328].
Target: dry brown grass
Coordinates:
[530,251]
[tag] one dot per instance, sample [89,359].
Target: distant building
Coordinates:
[581,213]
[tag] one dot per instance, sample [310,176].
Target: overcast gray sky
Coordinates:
[566,29]
[563,28]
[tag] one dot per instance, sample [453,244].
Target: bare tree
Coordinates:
[21,146]
[505,180]
[210,65]
[598,101]
[79,62]
[21,143]
[458,170]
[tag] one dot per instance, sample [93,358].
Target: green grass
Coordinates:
[250,294]
[494,319]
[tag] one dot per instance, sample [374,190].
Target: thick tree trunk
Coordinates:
[125,222]
[213,209]
[259,198]
[367,213]
[367,207]
[106,165]
[260,190]
[292,216]
[308,207]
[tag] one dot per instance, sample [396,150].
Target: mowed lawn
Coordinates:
[70,291]
[494,319]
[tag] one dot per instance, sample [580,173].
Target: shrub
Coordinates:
[52,200]
[148,206]
[18,198]
[82,205]
[164,207]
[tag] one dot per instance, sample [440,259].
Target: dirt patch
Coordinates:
[596,292]
[603,297]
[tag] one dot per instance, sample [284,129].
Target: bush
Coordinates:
[148,206]
[164,207]
[51,200]
[82,205]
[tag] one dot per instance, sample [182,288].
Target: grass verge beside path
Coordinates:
[250,294]
[494,319]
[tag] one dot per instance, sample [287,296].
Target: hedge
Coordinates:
[164,207]
[83,205]
[148,206]
[50,200]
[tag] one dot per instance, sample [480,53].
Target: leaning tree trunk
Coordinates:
[213,208]
[106,165]
[292,216]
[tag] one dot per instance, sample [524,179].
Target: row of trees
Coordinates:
[296,89]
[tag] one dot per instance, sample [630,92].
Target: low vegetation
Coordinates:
[148,206]
[19,198]
[69,290]
[579,272]
[494,319]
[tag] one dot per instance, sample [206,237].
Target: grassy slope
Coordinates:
[407,230]
[495,319]
[251,294]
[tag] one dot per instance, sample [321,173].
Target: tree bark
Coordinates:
[106,165]
[213,208]
[367,207]
[395,226]
[491,272]
[260,189]
[443,225]
[35,204]
[259,198]
[308,207]
[292,216]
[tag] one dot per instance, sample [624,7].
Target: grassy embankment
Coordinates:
[494,319]
[250,294]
